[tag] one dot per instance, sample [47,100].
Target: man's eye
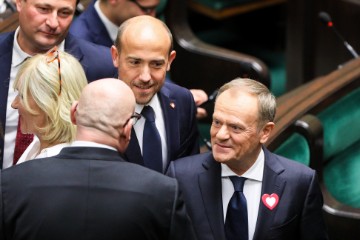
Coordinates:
[157,64]
[65,14]
[134,62]
[216,123]
[236,128]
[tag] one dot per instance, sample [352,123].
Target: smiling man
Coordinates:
[241,190]
[43,24]
[143,54]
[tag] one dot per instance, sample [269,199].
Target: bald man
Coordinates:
[143,54]
[88,191]
[100,22]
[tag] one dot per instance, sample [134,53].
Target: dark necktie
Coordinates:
[21,143]
[152,153]
[236,223]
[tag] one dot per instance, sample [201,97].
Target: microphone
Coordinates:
[326,19]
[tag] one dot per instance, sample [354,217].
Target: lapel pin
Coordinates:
[172,105]
[270,201]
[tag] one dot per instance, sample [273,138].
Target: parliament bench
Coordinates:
[328,141]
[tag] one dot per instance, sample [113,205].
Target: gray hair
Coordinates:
[266,100]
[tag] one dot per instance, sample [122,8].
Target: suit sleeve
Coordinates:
[312,223]
[181,227]
[190,145]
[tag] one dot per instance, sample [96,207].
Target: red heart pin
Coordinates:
[270,201]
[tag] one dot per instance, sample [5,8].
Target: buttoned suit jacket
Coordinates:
[182,136]
[298,214]
[96,61]
[90,193]
[89,26]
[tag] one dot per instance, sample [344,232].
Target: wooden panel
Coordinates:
[232,11]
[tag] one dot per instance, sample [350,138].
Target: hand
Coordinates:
[199,97]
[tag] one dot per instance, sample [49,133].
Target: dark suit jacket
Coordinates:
[182,134]
[90,193]
[96,61]
[298,214]
[89,26]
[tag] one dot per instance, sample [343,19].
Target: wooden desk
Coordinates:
[231,11]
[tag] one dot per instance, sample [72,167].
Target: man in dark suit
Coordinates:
[143,54]
[89,191]
[100,21]
[43,24]
[281,199]
[99,24]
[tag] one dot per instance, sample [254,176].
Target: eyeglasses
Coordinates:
[52,55]
[146,10]
[134,118]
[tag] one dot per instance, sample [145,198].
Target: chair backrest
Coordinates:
[201,65]
[341,123]
[296,148]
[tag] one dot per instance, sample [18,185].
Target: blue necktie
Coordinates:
[236,223]
[152,153]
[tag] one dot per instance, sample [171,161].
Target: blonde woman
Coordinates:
[47,85]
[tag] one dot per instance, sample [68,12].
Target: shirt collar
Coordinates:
[91,144]
[255,172]
[154,103]
[111,28]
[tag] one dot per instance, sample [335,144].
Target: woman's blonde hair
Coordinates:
[40,77]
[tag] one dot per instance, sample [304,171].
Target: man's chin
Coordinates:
[143,99]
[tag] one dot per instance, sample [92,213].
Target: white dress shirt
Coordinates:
[160,125]
[252,190]
[91,144]
[33,151]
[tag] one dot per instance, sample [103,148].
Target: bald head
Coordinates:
[144,29]
[102,110]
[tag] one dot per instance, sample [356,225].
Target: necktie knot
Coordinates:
[148,113]
[238,183]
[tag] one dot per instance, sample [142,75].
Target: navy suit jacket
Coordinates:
[89,26]
[298,214]
[182,134]
[96,61]
[90,193]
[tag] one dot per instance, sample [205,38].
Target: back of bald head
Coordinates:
[141,26]
[105,105]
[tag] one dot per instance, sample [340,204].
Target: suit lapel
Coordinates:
[211,192]
[171,120]
[5,63]
[272,183]
[97,28]
[72,47]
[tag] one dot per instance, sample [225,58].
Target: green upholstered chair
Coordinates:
[296,148]
[341,166]
[341,123]
[304,142]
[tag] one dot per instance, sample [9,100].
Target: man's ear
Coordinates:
[115,56]
[171,59]
[18,5]
[73,110]
[124,138]
[265,132]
